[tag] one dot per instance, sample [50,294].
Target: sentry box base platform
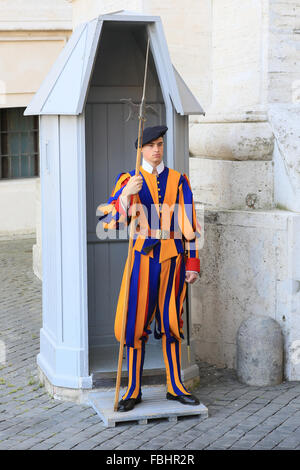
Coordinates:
[154,405]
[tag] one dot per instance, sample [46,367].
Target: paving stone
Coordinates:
[265,444]
[87,445]
[242,445]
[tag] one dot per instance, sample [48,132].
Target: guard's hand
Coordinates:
[133,186]
[191,277]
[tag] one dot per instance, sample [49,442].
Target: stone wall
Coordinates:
[247,265]
[241,60]
[245,172]
[284,51]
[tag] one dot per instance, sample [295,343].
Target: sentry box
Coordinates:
[86,140]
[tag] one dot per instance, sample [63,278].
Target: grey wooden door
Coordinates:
[109,150]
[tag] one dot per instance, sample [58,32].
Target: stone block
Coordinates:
[232,185]
[260,351]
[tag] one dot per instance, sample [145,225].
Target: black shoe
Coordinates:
[185,399]
[128,404]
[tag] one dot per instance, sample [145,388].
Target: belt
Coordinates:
[162,234]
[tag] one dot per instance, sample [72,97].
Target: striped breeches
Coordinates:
[156,292]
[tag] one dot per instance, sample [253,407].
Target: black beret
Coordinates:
[152,133]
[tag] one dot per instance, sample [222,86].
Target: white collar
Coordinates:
[149,168]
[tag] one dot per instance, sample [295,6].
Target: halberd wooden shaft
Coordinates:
[129,258]
[130,247]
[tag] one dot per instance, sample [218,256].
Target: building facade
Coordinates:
[242,62]
[32,34]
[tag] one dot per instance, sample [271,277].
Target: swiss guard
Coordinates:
[165,257]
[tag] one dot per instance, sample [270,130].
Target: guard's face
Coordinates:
[153,151]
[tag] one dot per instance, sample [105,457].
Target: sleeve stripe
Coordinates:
[112,209]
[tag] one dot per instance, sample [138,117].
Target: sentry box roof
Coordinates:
[65,88]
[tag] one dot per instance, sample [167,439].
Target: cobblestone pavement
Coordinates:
[240,416]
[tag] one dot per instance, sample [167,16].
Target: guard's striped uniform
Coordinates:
[157,272]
